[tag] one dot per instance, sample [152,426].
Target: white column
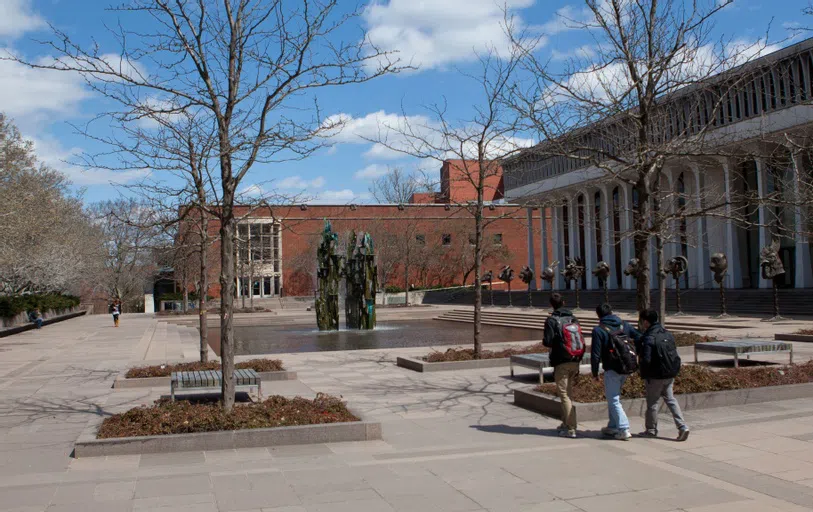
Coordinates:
[764,232]
[653,256]
[734,275]
[531,257]
[607,232]
[671,245]
[543,246]
[558,244]
[699,275]
[573,230]
[804,273]
[625,219]
[589,240]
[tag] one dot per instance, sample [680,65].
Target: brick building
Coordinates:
[431,236]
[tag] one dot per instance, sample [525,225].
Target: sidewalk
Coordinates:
[452,442]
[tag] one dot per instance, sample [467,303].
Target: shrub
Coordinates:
[806,332]
[183,416]
[695,379]
[393,289]
[258,365]
[13,305]
[689,339]
[467,354]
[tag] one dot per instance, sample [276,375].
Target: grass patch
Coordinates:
[184,417]
[689,339]
[805,332]
[164,370]
[694,379]
[467,354]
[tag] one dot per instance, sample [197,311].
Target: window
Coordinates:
[421,239]
[446,239]
[497,239]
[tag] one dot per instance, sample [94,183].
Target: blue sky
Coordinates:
[442,36]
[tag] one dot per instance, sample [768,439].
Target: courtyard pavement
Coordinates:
[452,441]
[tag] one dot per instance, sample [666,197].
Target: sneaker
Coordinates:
[649,433]
[609,431]
[561,427]
[683,435]
[622,435]
[567,433]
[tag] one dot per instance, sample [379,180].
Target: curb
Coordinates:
[152,382]
[424,367]
[550,405]
[793,337]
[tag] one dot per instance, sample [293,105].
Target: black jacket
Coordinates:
[552,337]
[657,353]
[600,344]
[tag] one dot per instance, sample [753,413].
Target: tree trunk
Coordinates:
[642,250]
[661,279]
[227,271]
[203,327]
[250,282]
[406,278]
[478,260]
[185,305]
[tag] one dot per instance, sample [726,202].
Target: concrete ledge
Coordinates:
[793,337]
[550,405]
[89,446]
[153,382]
[30,326]
[419,365]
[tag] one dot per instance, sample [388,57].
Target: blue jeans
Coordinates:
[38,323]
[612,391]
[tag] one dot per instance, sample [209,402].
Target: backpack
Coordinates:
[622,357]
[665,359]
[571,338]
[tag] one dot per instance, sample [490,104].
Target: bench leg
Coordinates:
[541,378]
[512,369]
[736,360]
[695,354]
[172,391]
[260,390]
[791,354]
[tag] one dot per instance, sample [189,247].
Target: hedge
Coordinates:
[12,306]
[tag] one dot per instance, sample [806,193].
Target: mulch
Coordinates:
[165,370]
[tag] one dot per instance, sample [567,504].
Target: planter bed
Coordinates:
[695,388]
[154,376]
[122,382]
[204,427]
[419,365]
[463,359]
[793,337]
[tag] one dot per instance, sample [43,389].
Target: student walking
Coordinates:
[660,364]
[613,347]
[564,338]
[115,309]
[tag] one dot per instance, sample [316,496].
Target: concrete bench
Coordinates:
[736,348]
[538,361]
[212,379]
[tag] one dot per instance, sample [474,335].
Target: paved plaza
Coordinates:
[452,441]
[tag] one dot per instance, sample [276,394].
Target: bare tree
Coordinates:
[648,95]
[398,186]
[247,63]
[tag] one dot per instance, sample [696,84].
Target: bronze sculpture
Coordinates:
[634,268]
[719,266]
[574,270]
[507,275]
[602,272]
[489,277]
[361,278]
[676,267]
[772,268]
[329,271]
[549,273]
[527,277]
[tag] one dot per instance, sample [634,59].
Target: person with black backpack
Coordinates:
[660,364]
[613,347]
[563,336]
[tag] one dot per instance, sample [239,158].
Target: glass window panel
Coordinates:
[255,288]
[267,286]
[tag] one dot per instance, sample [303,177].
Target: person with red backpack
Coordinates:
[613,347]
[563,336]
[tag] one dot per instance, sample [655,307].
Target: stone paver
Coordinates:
[452,441]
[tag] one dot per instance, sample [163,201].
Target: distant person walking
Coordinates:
[115,309]
[564,338]
[35,317]
[613,347]
[660,364]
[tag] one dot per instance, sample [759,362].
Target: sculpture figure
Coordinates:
[361,274]
[488,277]
[549,273]
[527,277]
[677,266]
[507,275]
[719,266]
[772,268]
[329,271]
[634,268]
[602,272]
[574,270]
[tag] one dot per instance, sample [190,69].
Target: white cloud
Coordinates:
[371,172]
[17,18]
[581,52]
[299,183]
[436,34]
[342,196]
[50,152]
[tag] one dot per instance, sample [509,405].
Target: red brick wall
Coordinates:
[458,188]
[301,232]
